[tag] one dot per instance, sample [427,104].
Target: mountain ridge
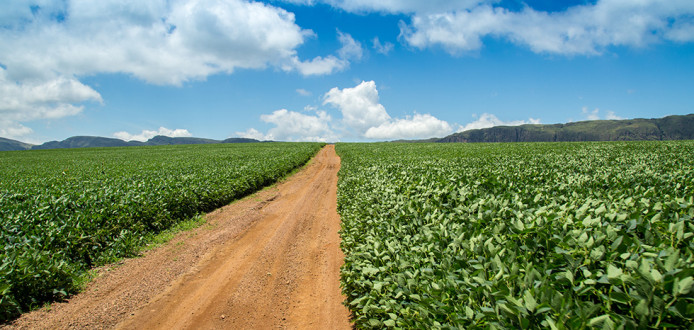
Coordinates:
[100,142]
[676,127]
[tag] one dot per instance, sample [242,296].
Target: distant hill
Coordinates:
[10,145]
[667,128]
[83,142]
[100,142]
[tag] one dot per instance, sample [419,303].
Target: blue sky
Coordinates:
[336,70]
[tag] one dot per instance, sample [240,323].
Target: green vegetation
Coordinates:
[64,211]
[550,235]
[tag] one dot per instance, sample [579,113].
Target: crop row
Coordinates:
[64,211]
[550,235]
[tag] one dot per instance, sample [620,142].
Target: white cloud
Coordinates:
[36,99]
[612,116]
[415,127]
[13,130]
[595,114]
[350,50]
[359,105]
[253,133]
[393,6]
[294,126]
[366,117]
[303,92]
[460,26]
[157,41]
[681,32]
[487,120]
[362,116]
[580,30]
[318,65]
[591,114]
[148,134]
[382,48]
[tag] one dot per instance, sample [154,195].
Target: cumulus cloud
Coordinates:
[580,30]
[411,127]
[359,105]
[148,134]
[158,41]
[39,99]
[487,120]
[253,133]
[13,130]
[382,48]
[461,26]
[294,126]
[363,114]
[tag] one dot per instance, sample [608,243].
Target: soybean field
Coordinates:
[65,211]
[539,235]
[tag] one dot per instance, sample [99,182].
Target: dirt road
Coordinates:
[269,261]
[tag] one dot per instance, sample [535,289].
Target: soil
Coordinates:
[271,260]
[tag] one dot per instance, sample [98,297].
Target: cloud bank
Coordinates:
[462,26]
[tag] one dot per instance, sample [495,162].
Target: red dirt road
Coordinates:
[269,261]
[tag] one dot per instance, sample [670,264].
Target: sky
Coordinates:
[336,70]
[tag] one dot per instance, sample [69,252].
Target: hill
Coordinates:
[667,128]
[83,142]
[10,145]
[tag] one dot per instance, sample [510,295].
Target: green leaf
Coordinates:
[569,276]
[672,260]
[389,323]
[600,210]
[642,308]
[551,323]
[469,312]
[613,272]
[655,274]
[369,270]
[620,297]
[374,322]
[685,285]
[599,320]
[530,302]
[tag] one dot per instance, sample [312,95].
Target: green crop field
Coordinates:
[541,235]
[64,211]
